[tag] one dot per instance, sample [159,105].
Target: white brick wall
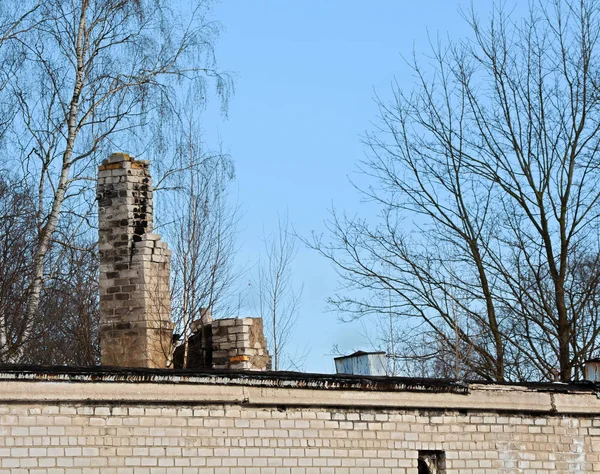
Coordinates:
[236,439]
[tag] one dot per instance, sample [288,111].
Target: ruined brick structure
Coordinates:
[239,344]
[135,308]
[232,343]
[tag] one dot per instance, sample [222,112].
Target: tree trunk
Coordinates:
[33,298]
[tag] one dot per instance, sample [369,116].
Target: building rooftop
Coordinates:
[39,384]
[281,379]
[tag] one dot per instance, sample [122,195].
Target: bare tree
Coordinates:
[16,20]
[66,327]
[279,299]
[412,348]
[16,245]
[202,224]
[486,174]
[93,73]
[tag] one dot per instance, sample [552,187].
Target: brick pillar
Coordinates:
[135,306]
[239,344]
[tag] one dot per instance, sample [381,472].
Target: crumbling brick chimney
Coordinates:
[135,308]
[239,344]
[232,343]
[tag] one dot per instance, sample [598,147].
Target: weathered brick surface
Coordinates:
[232,439]
[239,344]
[155,421]
[231,343]
[135,310]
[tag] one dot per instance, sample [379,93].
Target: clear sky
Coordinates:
[306,73]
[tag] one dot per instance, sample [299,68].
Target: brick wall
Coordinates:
[232,439]
[241,425]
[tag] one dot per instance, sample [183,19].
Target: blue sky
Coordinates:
[306,74]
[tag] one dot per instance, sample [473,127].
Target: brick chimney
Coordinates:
[135,308]
[232,343]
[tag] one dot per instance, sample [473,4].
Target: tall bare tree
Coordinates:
[201,223]
[279,298]
[91,74]
[487,176]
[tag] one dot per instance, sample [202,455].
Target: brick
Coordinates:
[242,438]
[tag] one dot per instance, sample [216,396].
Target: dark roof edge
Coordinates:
[358,354]
[99,374]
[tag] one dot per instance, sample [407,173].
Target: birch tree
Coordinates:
[93,75]
[66,329]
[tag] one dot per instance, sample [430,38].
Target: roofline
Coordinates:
[359,354]
[104,374]
[34,385]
